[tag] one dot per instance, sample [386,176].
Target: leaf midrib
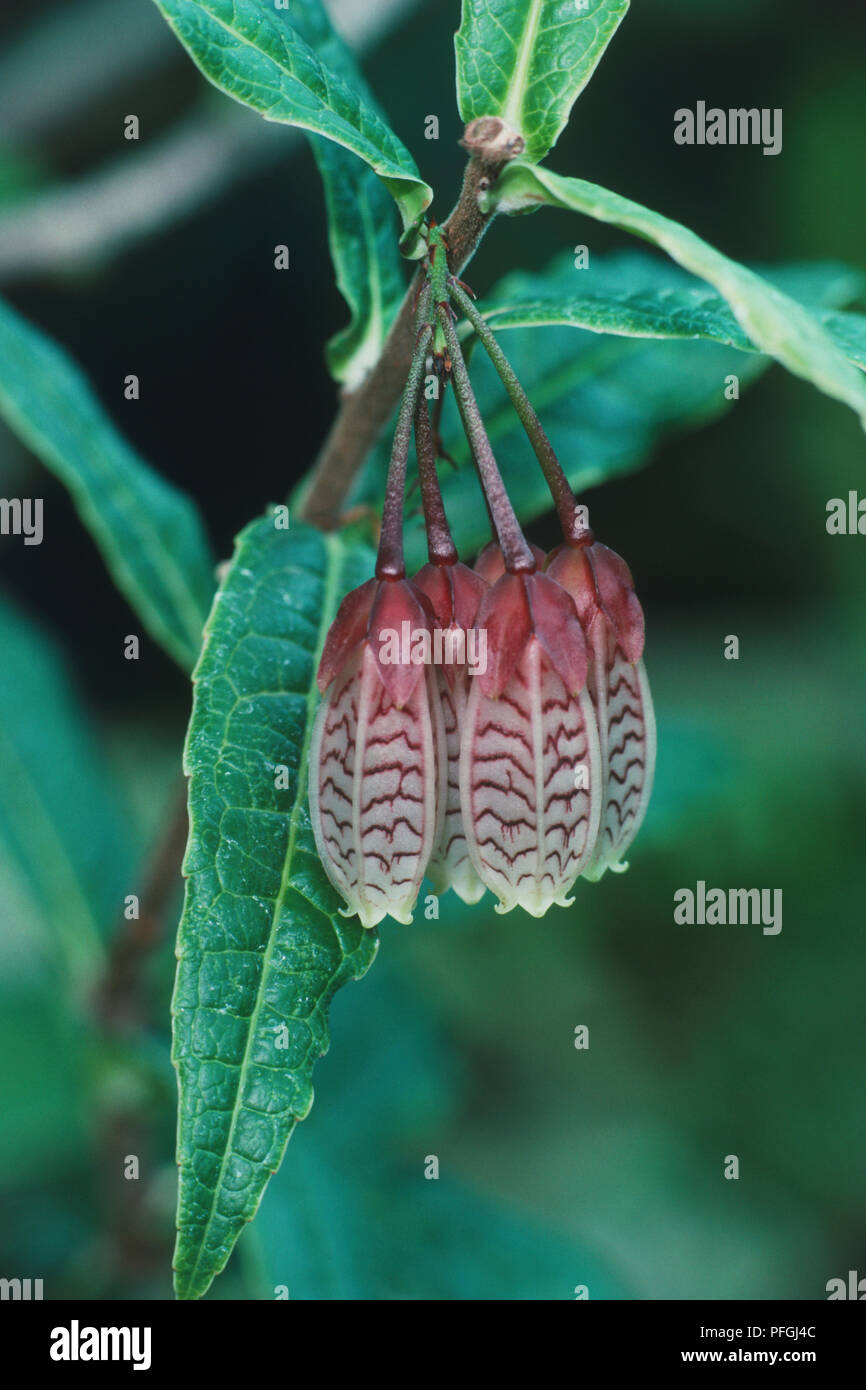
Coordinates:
[333,550]
[289,71]
[578,313]
[512,111]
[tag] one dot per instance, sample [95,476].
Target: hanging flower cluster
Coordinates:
[490,727]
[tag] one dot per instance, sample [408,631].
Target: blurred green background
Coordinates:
[558,1167]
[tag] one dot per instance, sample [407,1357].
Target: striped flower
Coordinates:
[530,767]
[455,593]
[377,785]
[612,618]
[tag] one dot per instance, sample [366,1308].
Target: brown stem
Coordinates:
[363,413]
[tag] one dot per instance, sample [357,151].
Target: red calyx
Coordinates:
[491,562]
[375,613]
[454,593]
[520,607]
[601,584]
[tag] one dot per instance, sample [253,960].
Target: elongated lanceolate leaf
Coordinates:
[527,61]
[150,534]
[776,324]
[256,54]
[262,944]
[363,245]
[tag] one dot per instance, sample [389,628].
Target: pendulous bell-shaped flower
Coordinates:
[454,593]
[493,726]
[611,616]
[376,766]
[602,587]
[530,767]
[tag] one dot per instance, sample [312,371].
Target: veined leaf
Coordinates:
[150,534]
[638,296]
[258,56]
[773,321]
[361,230]
[528,61]
[63,832]
[262,944]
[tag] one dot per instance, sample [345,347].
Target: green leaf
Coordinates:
[774,322]
[638,296]
[63,830]
[361,230]
[527,61]
[366,261]
[150,534]
[848,332]
[258,56]
[262,942]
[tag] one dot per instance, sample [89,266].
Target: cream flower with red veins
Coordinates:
[530,767]
[454,592]
[376,764]
[603,590]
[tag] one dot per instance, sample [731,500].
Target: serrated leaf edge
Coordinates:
[333,547]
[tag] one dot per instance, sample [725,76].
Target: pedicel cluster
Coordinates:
[521,772]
